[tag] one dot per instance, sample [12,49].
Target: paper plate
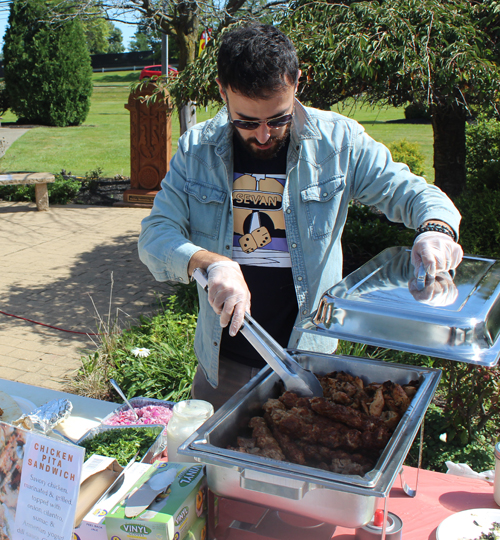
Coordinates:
[25,405]
[468,525]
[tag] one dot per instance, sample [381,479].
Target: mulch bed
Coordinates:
[102,192]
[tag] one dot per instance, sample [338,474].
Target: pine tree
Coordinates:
[47,67]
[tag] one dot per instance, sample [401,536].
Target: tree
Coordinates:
[102,36]
[115,40]
[96,35]
[180,19]
[443,53]
[149,38]
[47,67]
[139,42]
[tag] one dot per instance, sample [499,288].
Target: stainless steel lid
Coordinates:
[382,304]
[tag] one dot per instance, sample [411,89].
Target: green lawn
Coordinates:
[103,140]
[382,125]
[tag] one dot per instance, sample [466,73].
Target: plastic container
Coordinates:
[187,417]
[496,492]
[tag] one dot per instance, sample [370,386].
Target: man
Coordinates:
[258,197]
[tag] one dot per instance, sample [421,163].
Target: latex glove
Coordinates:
[436,251]
[438,291]
[228,294]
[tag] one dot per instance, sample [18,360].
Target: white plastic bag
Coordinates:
[462,469]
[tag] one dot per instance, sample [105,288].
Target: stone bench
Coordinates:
[39,179]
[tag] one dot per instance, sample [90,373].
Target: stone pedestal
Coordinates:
[150,147]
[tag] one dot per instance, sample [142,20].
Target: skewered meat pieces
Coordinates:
[290,448]
[395,397]
[376,406]
[265,440]
[345,415]
[262,442]
[343,432]
[305,425]
[342,388]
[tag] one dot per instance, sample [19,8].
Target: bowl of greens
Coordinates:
[123,442]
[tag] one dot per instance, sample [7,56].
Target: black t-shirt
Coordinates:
[260,247]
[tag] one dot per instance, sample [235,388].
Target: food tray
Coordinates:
[376,305]
[345,500]
[154,450]
[138,402]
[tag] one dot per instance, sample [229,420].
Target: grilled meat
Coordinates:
[344,432]
[265,440]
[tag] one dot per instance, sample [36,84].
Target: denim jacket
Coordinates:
[330,162]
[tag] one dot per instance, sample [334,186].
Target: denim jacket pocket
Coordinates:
[322,201]
[206,203]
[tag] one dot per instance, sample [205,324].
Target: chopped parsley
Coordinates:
[122,443]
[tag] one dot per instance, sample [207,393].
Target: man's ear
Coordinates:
[298,79]
[221,90]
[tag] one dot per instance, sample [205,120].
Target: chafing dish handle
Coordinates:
[294,489]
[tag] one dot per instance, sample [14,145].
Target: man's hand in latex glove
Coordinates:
[438,291]
[436,251]
[228,294]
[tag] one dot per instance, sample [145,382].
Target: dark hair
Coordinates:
[257,61]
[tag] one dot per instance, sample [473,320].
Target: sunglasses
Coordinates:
[272,123]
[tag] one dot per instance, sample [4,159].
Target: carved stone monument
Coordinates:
[150,147]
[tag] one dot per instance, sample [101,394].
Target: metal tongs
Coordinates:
[296,379]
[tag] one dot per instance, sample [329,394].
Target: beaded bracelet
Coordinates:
[436,227]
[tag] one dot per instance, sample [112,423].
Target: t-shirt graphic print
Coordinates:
[259,225]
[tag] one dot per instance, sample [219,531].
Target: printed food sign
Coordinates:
[40,488]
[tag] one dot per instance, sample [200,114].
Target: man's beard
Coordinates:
[252,145]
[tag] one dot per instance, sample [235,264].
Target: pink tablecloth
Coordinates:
[438,496]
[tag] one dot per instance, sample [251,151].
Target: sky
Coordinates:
[128,30]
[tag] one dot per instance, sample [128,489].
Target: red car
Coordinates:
[155,71]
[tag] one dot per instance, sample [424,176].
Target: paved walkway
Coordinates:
[54,267]
[9,134]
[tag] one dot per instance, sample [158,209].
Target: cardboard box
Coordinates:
[198,531]
[98,474]
[160,514]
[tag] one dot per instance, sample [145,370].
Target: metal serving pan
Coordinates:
[380,304]
[345,500]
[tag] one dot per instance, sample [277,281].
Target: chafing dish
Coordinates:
[345,500]
[379,304]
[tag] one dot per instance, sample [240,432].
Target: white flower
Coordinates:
[141,351]
[443,437]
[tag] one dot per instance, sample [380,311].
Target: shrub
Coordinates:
[480,227]
[483,144]
[478,454]
[406,152]
[168,371]
[4,98]
[479,203]
[417,111]
[47,67]
[165,373]
[367,233]
[61,191]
